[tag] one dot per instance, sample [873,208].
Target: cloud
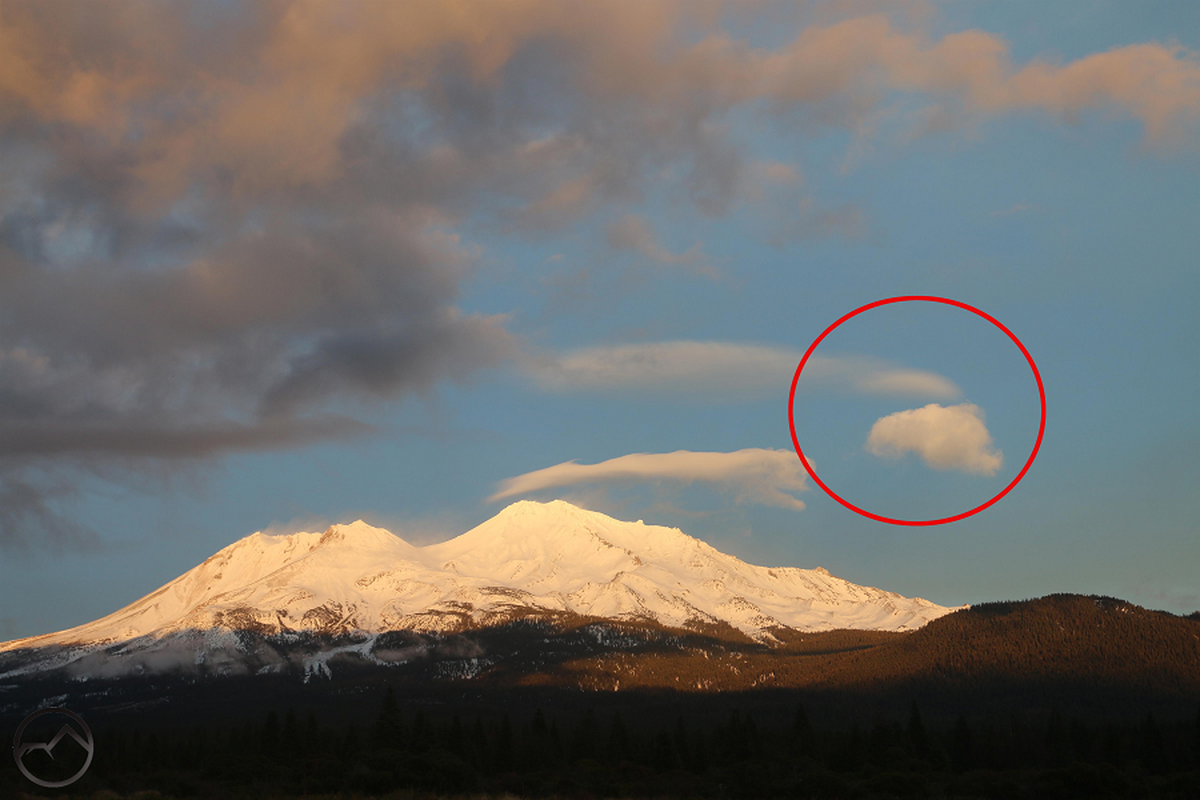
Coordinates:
[726,370]
[841,70]
[945,438]
[777,172]
[238,347]
[223,217]
[633,232]
[753,475]
[169,440]
[783,213]
[1014,209]
[681,366]
[892,382]
[29,513]
[382,362]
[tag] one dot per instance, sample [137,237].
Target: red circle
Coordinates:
[906,299]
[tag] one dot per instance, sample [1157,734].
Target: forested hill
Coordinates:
[1082,649]
[1049,643]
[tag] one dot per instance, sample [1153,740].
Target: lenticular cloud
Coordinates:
[945,437]
[753,475]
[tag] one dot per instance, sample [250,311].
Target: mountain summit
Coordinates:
[531,558]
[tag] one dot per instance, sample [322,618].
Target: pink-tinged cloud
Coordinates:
[754,475]
[728,370]
[849,64]
[944,437]
[633,232]
[272,104]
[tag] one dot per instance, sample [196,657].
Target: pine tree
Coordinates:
[962,746]
[311,734]
[739,738]
[618,740]
[479,745]
[753,742]
[699,753]
[422,734]
[269,738]
[917,736]
[1080,741]
[852,753]
[504,745]
[587,736]
[456,739]
[1154,753]
[1196,737]
[664,755]
[350,743]
[880,740]
[682,751]
[537,747]
[1112,745]
[556,745]
[388,731]
[803,743]
[291,734]
[1055,740]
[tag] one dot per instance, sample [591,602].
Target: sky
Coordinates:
[269,266]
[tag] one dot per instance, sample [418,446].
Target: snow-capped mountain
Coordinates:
[359,581]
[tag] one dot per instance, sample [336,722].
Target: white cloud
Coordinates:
[873,376]
[727,370]
[753,475]
[681,366]
[951,437]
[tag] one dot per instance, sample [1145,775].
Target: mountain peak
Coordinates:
[530,558]
[534,508]
[359,534]
[564,512]
[559,530]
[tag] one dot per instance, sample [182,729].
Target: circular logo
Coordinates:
[79,732]
[909,299]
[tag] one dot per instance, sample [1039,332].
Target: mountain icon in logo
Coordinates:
[21,748]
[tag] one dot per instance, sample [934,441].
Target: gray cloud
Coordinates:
[167,440]
[382,363]
[29,516]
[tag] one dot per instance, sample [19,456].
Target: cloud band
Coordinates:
[754,475]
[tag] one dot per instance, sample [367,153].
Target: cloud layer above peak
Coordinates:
[754,475]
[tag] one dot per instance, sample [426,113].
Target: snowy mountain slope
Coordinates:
[359,580]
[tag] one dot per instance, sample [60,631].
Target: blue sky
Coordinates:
[369,264]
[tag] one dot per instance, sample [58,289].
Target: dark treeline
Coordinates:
[290,752]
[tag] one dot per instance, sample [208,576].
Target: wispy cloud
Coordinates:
[633,232]
[873,376]
[727,370]
[945,438]
[754,475]
[1014,209]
